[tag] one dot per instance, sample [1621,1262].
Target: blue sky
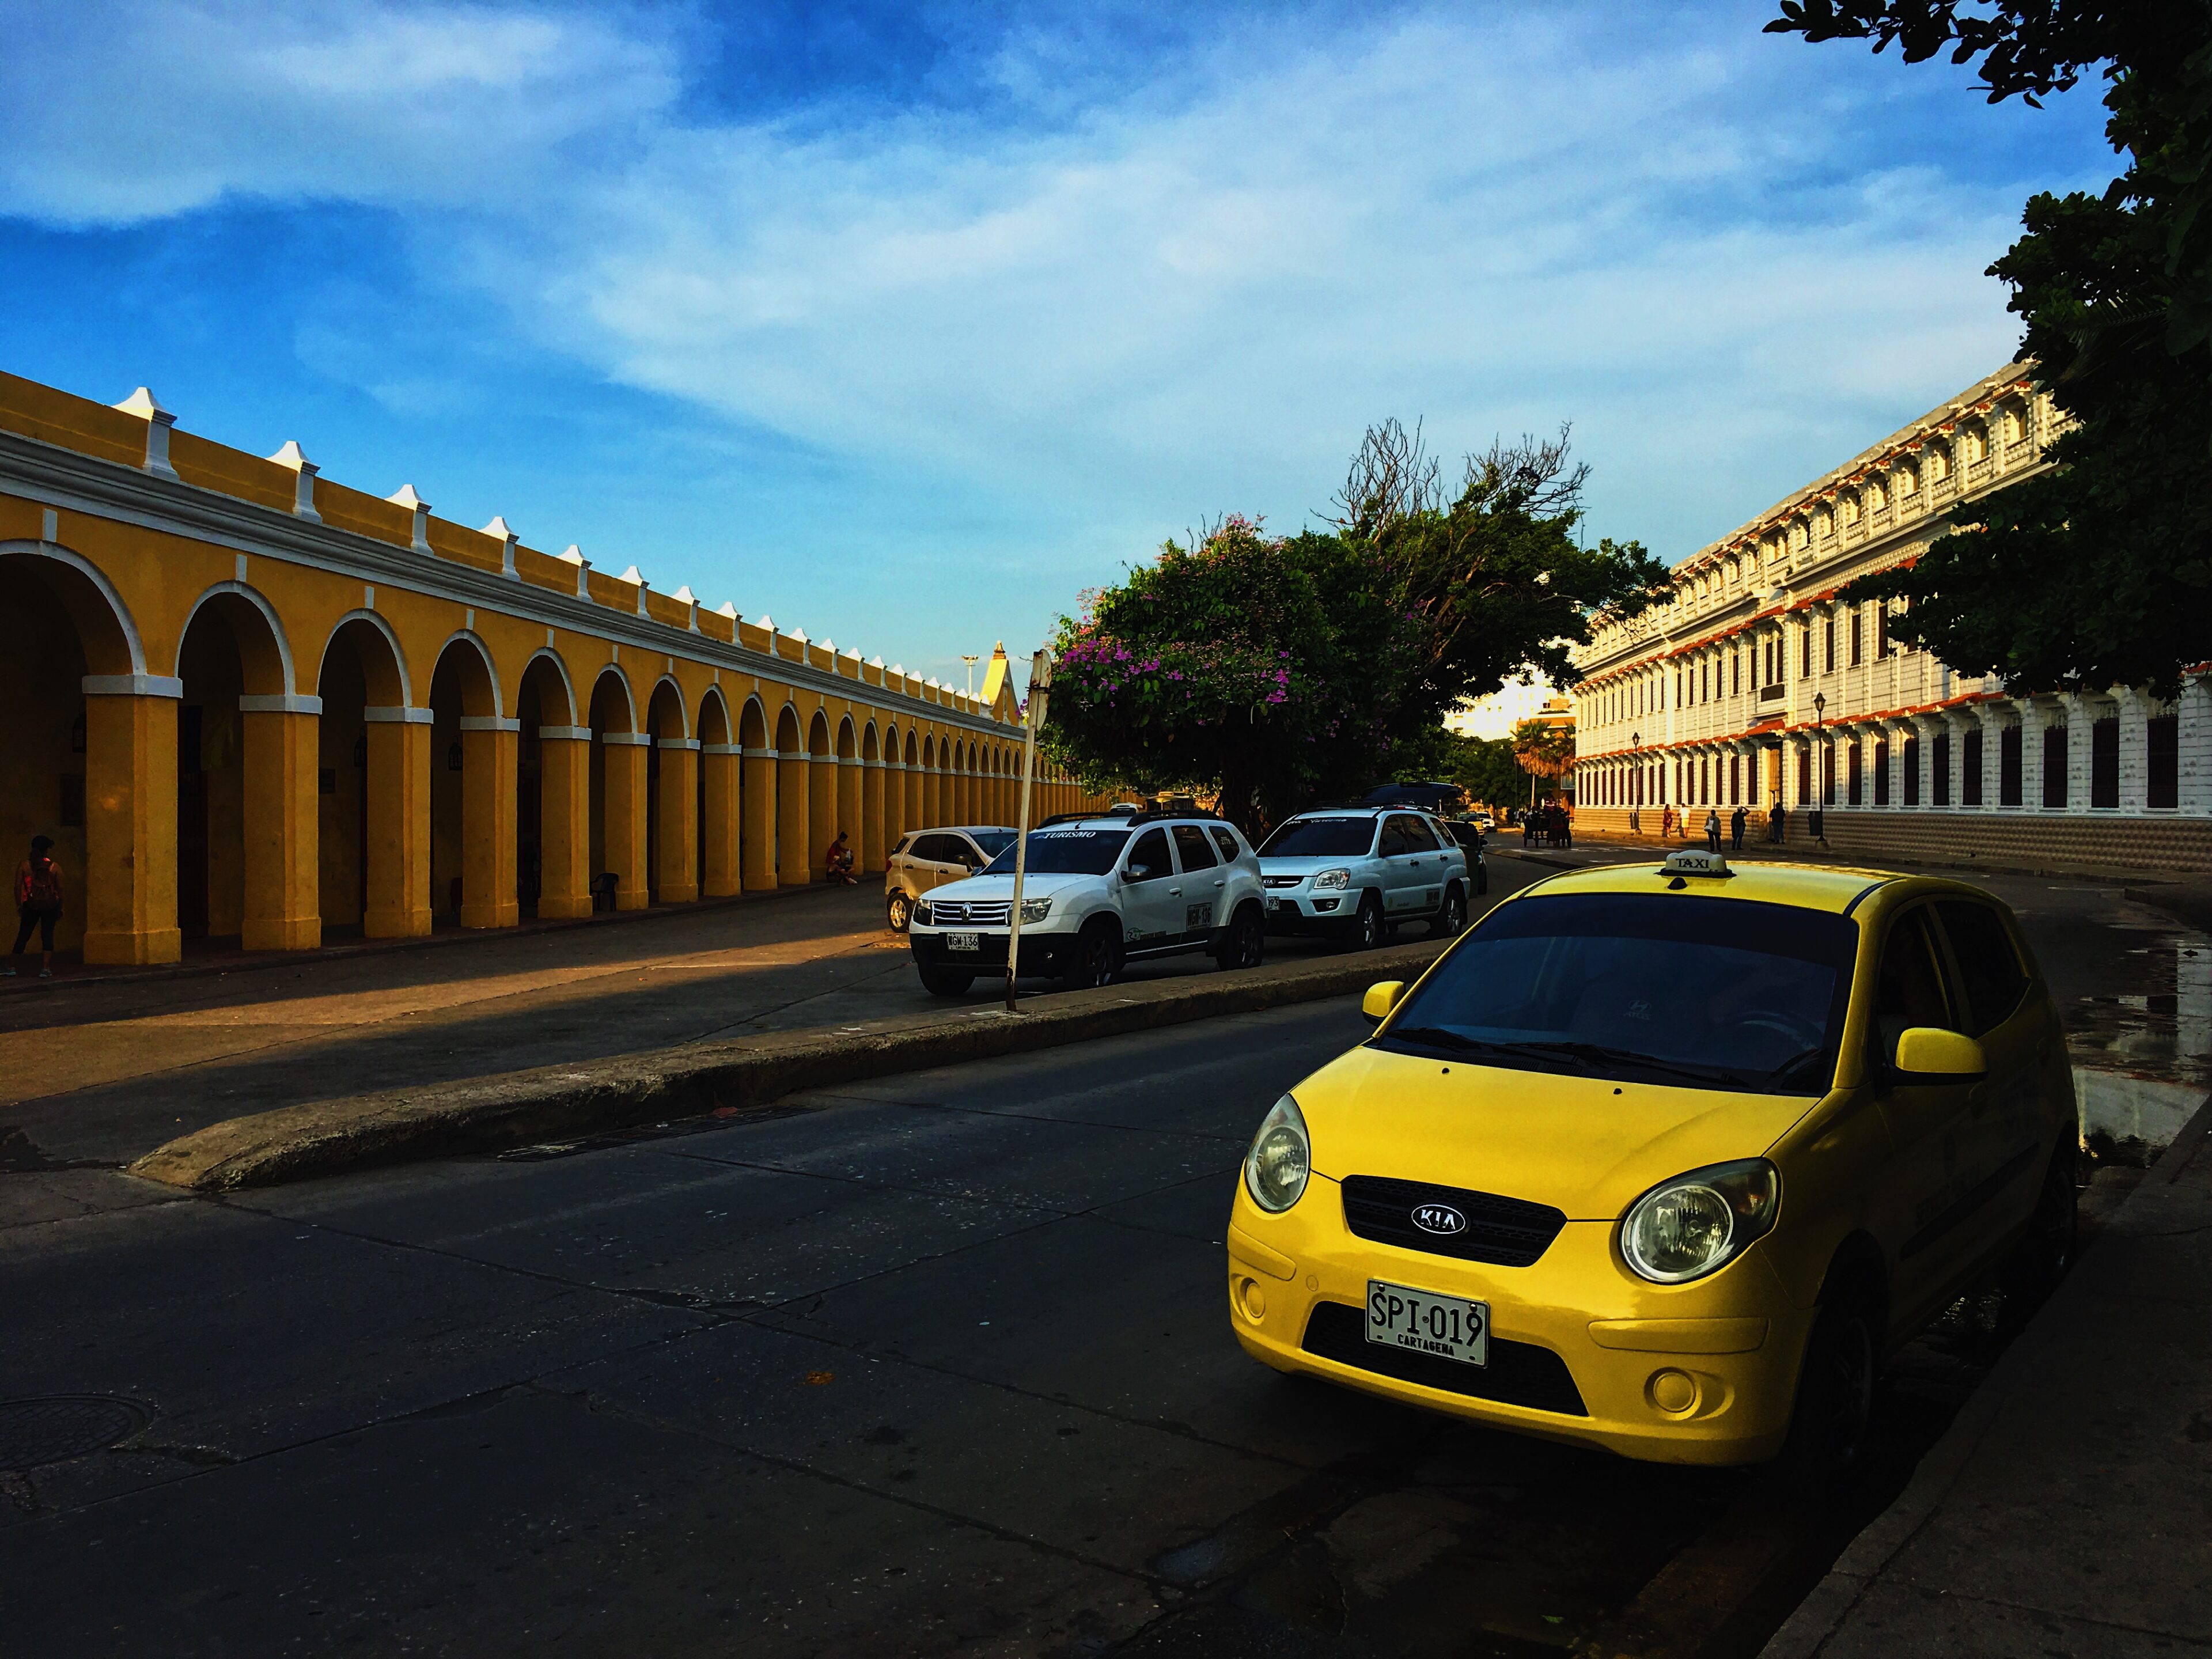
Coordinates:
[903,324]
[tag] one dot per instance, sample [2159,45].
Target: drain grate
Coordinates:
[34,1432]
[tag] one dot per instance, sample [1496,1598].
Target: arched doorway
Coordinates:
[822,770]
[851,792]
[876,808]
[363,865]
[247,866]
[757,843]
[67,752]
[552,765]
[671,798]
[719,813]
[794,801]
[915,819]
[617,804]
[471,791]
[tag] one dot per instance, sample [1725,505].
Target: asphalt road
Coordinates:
[941,1365]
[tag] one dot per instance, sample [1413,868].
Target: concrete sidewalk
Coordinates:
[2068,1508]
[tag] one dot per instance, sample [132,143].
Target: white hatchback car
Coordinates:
[925,859]
[1354,873]
[1098,892]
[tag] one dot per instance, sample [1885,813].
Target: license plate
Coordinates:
[1273,903]
[1448,1327]
[963,941]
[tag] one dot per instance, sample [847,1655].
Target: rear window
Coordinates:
[1670,988]
[1321,838]
[1192,846]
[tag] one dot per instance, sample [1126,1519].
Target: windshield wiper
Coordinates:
[1779,1078]
[1598,1051]
[1458,1042]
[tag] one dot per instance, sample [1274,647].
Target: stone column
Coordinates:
[397,853]
[2134,711]
[794,866]
[2193,721]
[821,807]
[718,875]
[872,818]
[624,829]
[129,885]
[282,827]
[895,819]
[757,801]
[916,811]
[2079,713]
[564,792]
[679,820]
[491,754]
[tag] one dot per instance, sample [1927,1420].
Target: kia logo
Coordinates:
[1438,1218]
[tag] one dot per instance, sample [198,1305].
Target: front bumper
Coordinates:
[1044,954]
[1301,910]
[1581,1349]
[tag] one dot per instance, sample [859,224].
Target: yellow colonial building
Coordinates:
[250,702]
[1755,684]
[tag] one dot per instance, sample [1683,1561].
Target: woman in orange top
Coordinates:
[38,903]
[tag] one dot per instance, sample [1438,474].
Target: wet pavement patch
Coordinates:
[52,1430]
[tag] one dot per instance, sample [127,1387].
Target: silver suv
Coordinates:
[1354,873]
[927,859]
[1098,892]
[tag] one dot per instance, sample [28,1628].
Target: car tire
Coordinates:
[899,911]
[946,981]
[2045,1250]
[1244,942]
[1366,931]
[1830,1427]
[1451,920]
[1095,959]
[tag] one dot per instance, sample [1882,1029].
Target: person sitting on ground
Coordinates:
[838,862]
[38,903]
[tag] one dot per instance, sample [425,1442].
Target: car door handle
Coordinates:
[1223,882]
[1174,892]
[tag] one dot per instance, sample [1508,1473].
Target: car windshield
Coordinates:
[1650,987]
[1069,851]
[1320,838]
[993,842]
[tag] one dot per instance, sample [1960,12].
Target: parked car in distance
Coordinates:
[1468,835]
[1353,873]
[925,859]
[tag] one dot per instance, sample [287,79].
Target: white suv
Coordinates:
[1098,892]
[927,859]
[1354,873]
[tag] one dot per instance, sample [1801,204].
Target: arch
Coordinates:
[104,625]
[264,654]
[871,747]
[752,724]
[913,748]
[666,715]
[611,693]
[480,693]
[385,671]
[929,752]
[714,723]
[818,734]
[545,653]
[789,740]
[849,746]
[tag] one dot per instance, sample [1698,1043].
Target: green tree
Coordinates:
[1267,671]
[1544,752]
[2098,572]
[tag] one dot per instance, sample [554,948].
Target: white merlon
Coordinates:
[575,556]
[406,497]
[303,488]
[148,407]
[508,538]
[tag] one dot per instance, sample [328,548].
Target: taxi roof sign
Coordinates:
[1694,861]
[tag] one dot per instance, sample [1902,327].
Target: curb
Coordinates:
[556,1102]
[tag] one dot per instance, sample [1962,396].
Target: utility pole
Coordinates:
[1040,687]
[971,661]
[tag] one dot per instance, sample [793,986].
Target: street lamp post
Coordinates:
[1819,825]
[1636,793]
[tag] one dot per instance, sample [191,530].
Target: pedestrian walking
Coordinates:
[1777,831]
[1666,823]
[1712,830]
[38,904]
[1736,820]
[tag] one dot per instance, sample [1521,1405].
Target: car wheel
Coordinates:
[2045,1252]
[945,982]
[1367,931]
[1451,921]
[1244,942]
[1096,959]
[1829,1429]
[899,911]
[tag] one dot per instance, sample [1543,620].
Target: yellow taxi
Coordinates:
[1665,1160]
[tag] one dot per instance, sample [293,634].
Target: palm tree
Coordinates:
[1544,751]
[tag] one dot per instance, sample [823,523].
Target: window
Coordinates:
[1989,964]
[1828,641]
[1805,668]
[1907,482]
[1857,615]
[1912,771]
[1970,783]
[1735,673]
[1678,688]
[1194,849]
[1067,852]
[2105,762]
[1880,629]
[1705,680]
[1419,838]
[1225,839]
[1804,777]
[1321,838]
[1880,773]
[2008,766]
[1827,775]
[1877,496]
[1941,780]
[2054,764]
[1850,509]
[1939,465]
[1910,991]
[2164,770]
[1977,444]
[1851,773]
[1148,859]
[1736,780]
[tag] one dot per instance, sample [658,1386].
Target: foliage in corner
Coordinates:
[2099,572]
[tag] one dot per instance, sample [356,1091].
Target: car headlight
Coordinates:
[1699,1223]
[922,912]
[1275,1169]
[1035,910]
[1331,880]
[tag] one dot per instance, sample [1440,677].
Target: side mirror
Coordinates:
[1382,999]
[1927,1054]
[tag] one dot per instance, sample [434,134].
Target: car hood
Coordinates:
[1588,1146]
[986,889]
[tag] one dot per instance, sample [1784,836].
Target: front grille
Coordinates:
[1282,881]
[1507,1232]
[981,913]
[1518,1374]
